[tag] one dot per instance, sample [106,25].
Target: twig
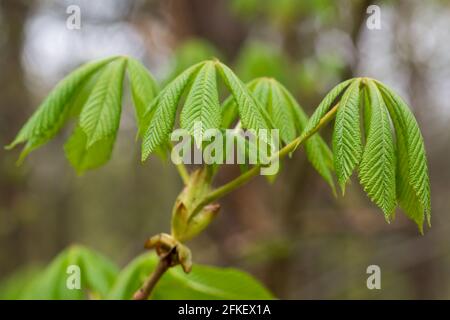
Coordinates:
[255,170]
[163,265]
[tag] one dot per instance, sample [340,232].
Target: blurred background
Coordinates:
[293,235]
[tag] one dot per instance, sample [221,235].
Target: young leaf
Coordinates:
[418,169]
[229,112]
[317,151]
[280,114]
[53,113]
[96,277]
[229,108]
[143,89]
[325,105]
[347,147]
[260,88]
[413,186]
[100,116]
[202,110]
[201,283]
[377,167]
[82,157]
[252,115]
[163,119]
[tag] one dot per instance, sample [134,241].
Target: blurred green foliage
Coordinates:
[100,279]
[283,12]
[189,53]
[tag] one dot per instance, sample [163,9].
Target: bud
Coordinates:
[167,247]
[185,226]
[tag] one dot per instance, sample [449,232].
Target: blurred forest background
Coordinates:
[292,235]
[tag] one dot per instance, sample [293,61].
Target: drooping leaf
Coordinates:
[202,110]
[280,113]
[54,283]
[83,157]
[317,151]
[252,115]
[203,282]
[100,116]
[229,108]
[229,112]
[143,90]
[377,167]
[55,110]
[413,186]
[325,105]
[260,88]
[347,147]
[163,118]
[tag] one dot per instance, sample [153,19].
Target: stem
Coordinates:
[254,171]
[144,292]
[182,170]
[184,174]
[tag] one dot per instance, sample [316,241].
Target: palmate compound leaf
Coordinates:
[203,282]
[163,111]
[92,141]
[59,281]
[391,170]
[347,148]
[56,109]
[201,110]
[377,167]
[413,184]
[200,105]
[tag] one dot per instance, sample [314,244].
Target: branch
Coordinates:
[254,171]
[163,265]
[182,170]
[184,174]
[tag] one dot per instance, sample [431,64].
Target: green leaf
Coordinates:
[83,157]
[97,275]
[347,147]
[260,88]
[229,112]
[317,151]
[252,115]
[229,108]
[13,286]
[325,105]
[203,282]
[55,110]
[377,167]
[280,113]
[143,90]
[201,110]
[413,185]
[100,116]
[163,119]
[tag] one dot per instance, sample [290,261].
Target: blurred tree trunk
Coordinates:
[207,19]
[13,104]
